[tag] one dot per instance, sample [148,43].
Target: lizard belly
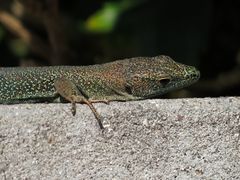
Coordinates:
[29,99]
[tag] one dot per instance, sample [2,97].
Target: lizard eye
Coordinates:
[164,82]
[128,89]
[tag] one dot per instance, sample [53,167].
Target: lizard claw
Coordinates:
[73,109]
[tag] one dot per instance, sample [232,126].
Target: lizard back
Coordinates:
[29,84]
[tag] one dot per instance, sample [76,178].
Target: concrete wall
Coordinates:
[151,139]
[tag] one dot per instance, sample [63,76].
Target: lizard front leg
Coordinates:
[68,90]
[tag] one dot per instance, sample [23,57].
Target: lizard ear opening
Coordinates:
[164,82]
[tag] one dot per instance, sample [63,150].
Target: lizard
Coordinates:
[122,80]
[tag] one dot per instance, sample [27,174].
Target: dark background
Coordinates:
[203,33]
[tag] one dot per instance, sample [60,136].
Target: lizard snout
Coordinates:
[192,73]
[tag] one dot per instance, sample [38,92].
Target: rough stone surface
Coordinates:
[151,139]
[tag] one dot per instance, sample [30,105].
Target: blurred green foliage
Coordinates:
[105,19]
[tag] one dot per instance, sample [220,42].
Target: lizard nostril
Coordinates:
[195,75]
[192,73]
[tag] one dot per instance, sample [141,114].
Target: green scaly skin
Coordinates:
[122,80]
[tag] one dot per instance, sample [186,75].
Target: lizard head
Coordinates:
[153,76]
